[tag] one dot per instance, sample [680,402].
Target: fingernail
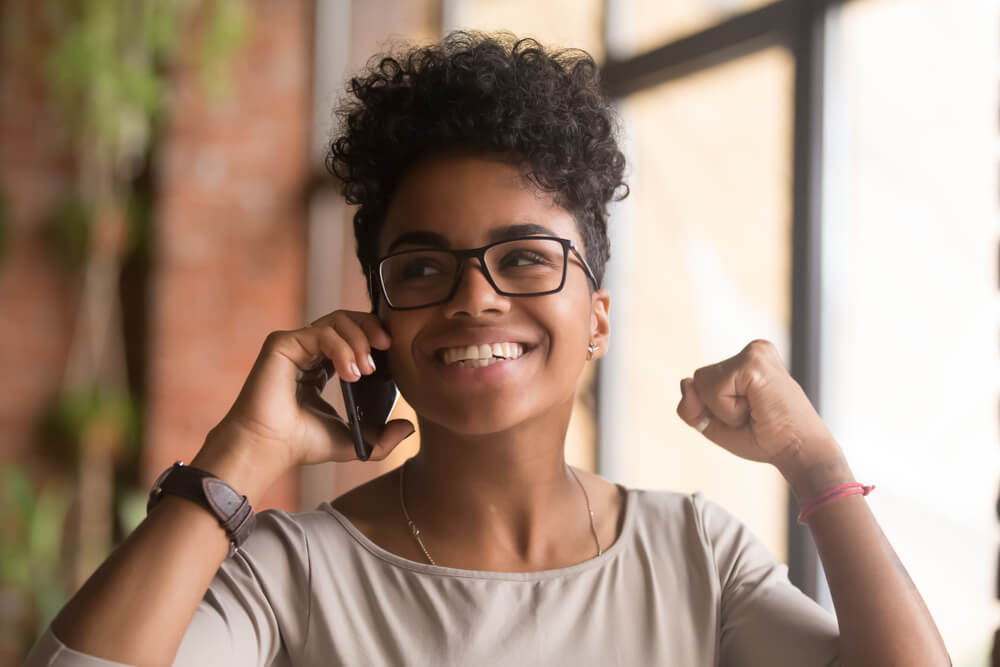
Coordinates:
[371,362]
[355,369]
[410,433]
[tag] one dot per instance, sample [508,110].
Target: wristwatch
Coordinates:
[231,509]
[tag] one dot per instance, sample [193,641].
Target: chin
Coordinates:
[469,416]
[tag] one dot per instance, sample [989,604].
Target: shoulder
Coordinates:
[689,508]
[695,526]
[673,507]
[285,543]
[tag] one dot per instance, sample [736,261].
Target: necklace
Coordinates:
[416,532]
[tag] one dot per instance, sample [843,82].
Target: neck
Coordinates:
[509,494]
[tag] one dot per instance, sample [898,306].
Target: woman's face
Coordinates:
[464,202]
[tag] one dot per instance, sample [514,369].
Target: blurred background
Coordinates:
[822,174]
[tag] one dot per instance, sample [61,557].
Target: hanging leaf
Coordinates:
[68,229]
[74,414]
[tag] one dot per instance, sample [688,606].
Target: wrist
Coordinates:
[810,471]
[239,461]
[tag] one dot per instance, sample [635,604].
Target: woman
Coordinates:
[486,548]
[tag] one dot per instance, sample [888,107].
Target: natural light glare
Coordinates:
[910,365]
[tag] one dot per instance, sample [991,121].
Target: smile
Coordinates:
[478,356]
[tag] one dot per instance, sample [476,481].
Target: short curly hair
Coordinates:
[484,93]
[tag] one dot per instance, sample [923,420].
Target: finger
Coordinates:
[717,388]
[339,351]
[694,412]
[376,333]
[395,432]
[302,348]
[357,339]
[690,408]
[337,442]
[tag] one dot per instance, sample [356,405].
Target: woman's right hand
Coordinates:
[267,420]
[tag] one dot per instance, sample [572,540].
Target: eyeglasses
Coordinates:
[528,266]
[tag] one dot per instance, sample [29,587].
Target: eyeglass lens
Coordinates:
[523,266]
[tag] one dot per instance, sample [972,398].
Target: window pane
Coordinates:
[566,23]
[703,268]
[911,318]
[642,25]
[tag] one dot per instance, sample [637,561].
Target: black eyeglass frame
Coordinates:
[480,254]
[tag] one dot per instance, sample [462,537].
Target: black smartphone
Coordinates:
[367,402]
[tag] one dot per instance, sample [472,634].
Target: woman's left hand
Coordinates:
[757,411]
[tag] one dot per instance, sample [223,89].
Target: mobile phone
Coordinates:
[367,402]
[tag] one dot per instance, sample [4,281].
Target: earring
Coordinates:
[591,349]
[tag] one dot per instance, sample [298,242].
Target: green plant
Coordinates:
[74,413]
[107,67]
[31,517]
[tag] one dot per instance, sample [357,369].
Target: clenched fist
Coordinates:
[755,409]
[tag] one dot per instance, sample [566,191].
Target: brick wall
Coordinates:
[36,290]
[230,233]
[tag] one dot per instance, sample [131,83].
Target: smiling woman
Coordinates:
[483,167]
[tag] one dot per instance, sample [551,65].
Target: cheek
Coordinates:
[402,330]
[568,321]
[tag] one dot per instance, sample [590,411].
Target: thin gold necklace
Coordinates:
[416,532]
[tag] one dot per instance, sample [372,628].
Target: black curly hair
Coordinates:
[490,94]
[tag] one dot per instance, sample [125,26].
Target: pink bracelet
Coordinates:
[837,492]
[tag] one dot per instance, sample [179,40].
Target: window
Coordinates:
[701,268]
[910,364]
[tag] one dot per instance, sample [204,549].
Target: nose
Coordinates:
[474,295]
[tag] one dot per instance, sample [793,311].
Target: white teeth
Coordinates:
[475,356]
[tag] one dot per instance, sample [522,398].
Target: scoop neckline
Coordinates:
[443,571]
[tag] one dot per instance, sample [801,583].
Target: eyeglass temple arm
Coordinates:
[586,266]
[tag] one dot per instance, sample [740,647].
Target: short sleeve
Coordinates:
[258,602]
[49,651]
[256,606]
[764,618]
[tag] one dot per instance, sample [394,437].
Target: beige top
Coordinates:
[685,584]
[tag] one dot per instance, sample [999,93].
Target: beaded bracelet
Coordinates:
[837,492]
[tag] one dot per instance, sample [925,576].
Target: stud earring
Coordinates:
[591,349]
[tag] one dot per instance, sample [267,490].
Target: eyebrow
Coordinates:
[435,240]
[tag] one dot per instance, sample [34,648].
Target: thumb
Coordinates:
[394,432]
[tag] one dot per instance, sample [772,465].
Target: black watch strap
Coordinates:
[231,509]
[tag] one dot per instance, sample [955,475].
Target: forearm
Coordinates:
[883,619]
[137,606]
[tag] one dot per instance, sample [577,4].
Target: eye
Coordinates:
[421,268]
[520,258]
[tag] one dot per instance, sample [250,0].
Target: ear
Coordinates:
[600,322]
